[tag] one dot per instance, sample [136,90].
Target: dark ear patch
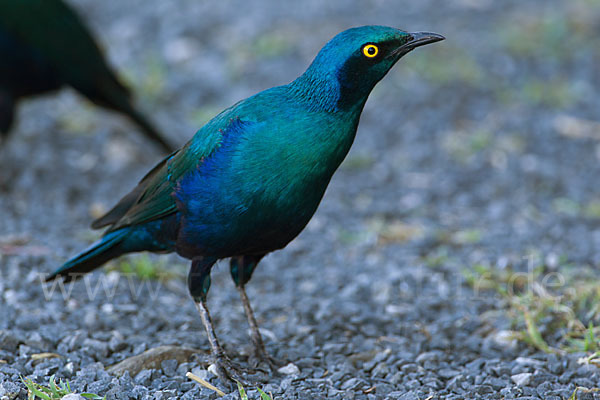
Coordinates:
[352,77]
[356,76]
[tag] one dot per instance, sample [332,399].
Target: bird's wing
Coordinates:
[57,33]
[153,197]
[131,198]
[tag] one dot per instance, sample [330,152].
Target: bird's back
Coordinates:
[24,71]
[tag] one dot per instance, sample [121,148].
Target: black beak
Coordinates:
[417,39]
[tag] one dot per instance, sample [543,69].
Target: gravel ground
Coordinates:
[481,150]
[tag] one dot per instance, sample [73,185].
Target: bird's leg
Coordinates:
[199,284]
[241,269]
[226,370]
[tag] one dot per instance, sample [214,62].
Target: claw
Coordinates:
[227,371]
[260,356]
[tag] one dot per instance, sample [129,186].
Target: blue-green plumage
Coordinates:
[250,180]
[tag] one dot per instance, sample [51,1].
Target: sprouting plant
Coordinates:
[54,390]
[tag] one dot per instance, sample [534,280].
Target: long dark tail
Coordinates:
[113,95]
[107,248]
[149,131]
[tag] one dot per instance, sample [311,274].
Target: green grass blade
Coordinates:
[263,395]
[33,390]
[590,341]
[534,334]
[38,393]
[91,396]
[53,389]
[243,395]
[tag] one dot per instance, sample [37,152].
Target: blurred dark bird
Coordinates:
[250,180]
[44,45]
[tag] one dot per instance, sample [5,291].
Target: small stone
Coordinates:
[8,370]
[505,339]
[544,389]
[73,396]
[529,362]
[501,370]
[290,369]
[448,373]
[483,389]
[75,340]
[95,348]
[212,368]
[200,373]
[566,377]
[433,383]
[584,382]
[9,390]
[555,364]
[116,343]
[99,386]
[408,368]
[25,351]
[586,370]
[143,377]
[183,368]
[428,356]
[35,340]
[8,341]
[522,379]
[496,383]
[475,365]
[69,369]
[169,367]
[412,384]
[383,388]
[139,391]
[91,318]
[351,383]
[381,370]
[349,395]
[540,377]
[406,396]
[396,378]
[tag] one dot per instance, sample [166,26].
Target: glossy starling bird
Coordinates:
[44,45]
[250,180]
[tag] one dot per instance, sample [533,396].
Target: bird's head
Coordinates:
[349,65]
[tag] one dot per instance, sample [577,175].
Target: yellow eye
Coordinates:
[370,50]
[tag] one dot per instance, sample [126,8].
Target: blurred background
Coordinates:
[473,177]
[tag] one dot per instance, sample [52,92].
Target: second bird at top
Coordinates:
[44,45]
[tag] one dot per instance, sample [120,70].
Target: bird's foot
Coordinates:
[228,371]
[260,358]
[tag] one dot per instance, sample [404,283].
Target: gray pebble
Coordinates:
[10,390]
[351,384]
[448,373]
[521,379]
[169,367]
[428,356]
[72,396]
